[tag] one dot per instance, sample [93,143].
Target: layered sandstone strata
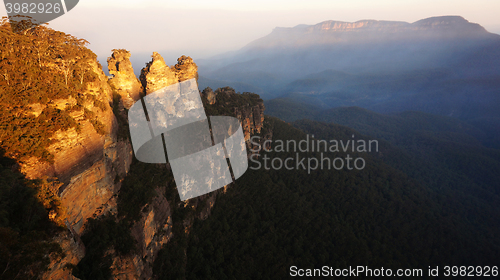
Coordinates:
[124,80]
[157,75]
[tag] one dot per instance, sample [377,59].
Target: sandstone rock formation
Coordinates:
[74,252]
[249,109]
[87,163]
[124,80]
[157,75]
[252,119]
[152,232]
[90,165]
[154,228]
[186,69]
[209,94]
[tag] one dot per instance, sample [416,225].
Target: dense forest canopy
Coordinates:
[271,220]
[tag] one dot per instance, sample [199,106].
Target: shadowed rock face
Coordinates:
[124,80]
[248,109]
[209,94]
[252,119]
[250,114]
[154,228]
[74,252]
[151,232]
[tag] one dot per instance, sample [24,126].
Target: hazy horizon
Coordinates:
[199,171]
[203,30]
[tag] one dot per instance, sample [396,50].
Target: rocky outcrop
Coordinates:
[155,227]
[252,119]
[95,187]
[340,26]
[246,107]
[186,69]
[449,23]
[209,94]
[157,75]
[87,161]
[90,165]
[434,27]
[151,232]
[124,80]
[74,251]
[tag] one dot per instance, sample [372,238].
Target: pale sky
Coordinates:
[203,28]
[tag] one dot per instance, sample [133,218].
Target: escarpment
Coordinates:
[164,219]
[87,159]
[65,122]
[57,122]
[103,188]
[246,107]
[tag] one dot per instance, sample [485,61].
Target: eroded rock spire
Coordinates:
[124,80]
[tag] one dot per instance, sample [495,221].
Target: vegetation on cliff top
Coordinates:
[45,76]
[226,100]
[37,67]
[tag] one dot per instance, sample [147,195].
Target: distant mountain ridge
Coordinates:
[445,65]
[365,46]
[332,31]
[432,23]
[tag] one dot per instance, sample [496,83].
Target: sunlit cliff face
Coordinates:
[358,26]
[447,22]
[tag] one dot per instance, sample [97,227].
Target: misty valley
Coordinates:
[444,66]
[372,145]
